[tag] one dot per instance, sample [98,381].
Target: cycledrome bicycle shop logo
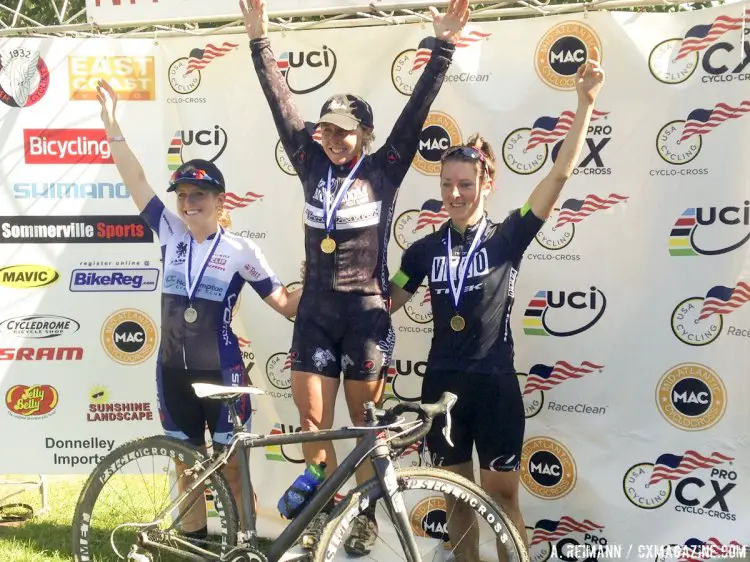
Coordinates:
[114,280]
[562,50]
[284,453]
[66,146]
[542,378]
[414,224]
[101,409]
[691,235]
[576,312]
[568,538]
[27,276]
[548,470]
[307,71]
[129,336]
[39,326]
[132,78]
[439,132]
[24,77]
[408,65]
[185,73]
[559,230]
[525,150]
[703,485]
[188,144]
[691,397]
[699,321]
[282,158]
[279,374]
[679,142]
[713,44]
[34,402]
[79,230]
[695,549]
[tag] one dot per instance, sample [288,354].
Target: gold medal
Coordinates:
[458,323]
[328,245]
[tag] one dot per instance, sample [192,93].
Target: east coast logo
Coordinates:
[185,72]
[292,453]
[439,132]
[691,397]
[31,402]
[562,50]
[408,65]
[568,538]
[563,313]
[703,484]
[27,276]
[208,144]
[129,336]
[711,45]
[548,470]
[24,77]
[526,150]
[307,71]
[710,231]
[413,224]
[132,78]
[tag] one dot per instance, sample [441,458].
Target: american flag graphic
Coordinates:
[549,530]
[201,58]
[723,300]
[427,297]
[233,201]
[699,551]
[288,362]
[674,467]
[575,210]
[431,213]
[548,129]
[700,37]
[424,50]
[703,121]
[243,342]
[283,63]
[544,377]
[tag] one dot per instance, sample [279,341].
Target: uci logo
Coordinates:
[129,336]
[439,132]
[278,453]
[307,71]
[691,397]
[189,143]
[399,385]
[582,311]
[548,470]
[562,50]
[728,223]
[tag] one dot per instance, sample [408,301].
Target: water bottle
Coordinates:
[299,493]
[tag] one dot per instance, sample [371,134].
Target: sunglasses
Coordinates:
[465,151]
[194,174]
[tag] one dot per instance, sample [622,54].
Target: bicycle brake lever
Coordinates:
[447,428]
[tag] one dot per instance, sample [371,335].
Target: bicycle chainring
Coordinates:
[246,554]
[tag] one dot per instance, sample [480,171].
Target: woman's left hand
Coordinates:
[589,79]
[448,26]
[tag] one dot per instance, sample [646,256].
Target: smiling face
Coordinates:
[198,207]
[341,145]
[463,187]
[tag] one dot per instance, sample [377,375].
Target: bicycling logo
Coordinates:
[414,224]
[185,72]
[282,158]
[548,470]
[292,453]
[582,311]
[691,397]
[188,144]
[129,336]
[419,306]
[543,378]
[27,276]
[307,71]
[568,537]
[702,483]
[24,77]
[34,402]
[729,230]
[562,50]
[675,60]
[428,519]
[439,132]
[699,321]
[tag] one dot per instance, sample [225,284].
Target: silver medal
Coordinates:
[191,315]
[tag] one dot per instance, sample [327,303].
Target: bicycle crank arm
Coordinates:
[146,542]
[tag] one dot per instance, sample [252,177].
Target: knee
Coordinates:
[357,413]
[505,496]
[313,420]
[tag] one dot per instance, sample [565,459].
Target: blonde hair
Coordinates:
[224,220]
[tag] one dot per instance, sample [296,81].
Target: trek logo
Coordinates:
[188,144]
[570,540]
[562,50]
[543,378]
[730,230]
[713,44]
[548,470]
[24,77]
[132,78]
[277,452]
[439,132]
[699,321]
[695,549]
[114,280]
[704,483]
[95,190]
[87,229]
[414,224]
[27,276]
[39,326]
[185,73]
[66,146]
[525,150]
[582,311]
[691,397]
[307,71]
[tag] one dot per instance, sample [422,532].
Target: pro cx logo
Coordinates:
[307,71]
[196,143]
[413,224]
[710,231]
[581,310]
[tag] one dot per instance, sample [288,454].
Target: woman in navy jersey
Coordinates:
[472,264]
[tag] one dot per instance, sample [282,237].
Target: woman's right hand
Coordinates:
[107,98]
[255,18]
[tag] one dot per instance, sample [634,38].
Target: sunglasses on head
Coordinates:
[465,151]
[194,174]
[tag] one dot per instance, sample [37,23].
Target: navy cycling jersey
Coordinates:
[485,345]
[362,224]
[207,344]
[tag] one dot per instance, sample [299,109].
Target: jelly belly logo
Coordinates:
[428,519]
[710,231]
[525,150]
[66,146]
[713,45]
[703,485]
[439,132]
[185,73]
[292,453]
[569,539]
[548,470]
[562,50]
[24,77]
[695,550]
[562,313]
[132,78]
[31,402]
[691,397]
[233,201]
[307,71]
[188,144]
[408,65]
[543,378]
[102,409]
[282,158]
[27,276]
[279,370]
[413,224]
[129,336]
[698,321]
[419,306]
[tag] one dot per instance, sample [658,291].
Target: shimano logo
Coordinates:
[114,280]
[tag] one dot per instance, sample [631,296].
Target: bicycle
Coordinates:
[386,435]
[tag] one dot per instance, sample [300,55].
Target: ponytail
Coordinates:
[224,220]
[490,166]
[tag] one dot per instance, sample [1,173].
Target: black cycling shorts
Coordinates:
[489,413]
[343,332]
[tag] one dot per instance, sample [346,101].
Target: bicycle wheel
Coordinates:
[127,491]
[486,527]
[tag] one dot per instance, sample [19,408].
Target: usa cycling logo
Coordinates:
[695,550]
[282,158]
[675,60]
[691,397]
[408,65]
[419,306]
[710,231]
[525,150]
[414,224]
[307,71]
[185,72]
[581,311]
[680,142]
[568,537]
[292,453]
[542,378]
[703,484]
[196,143]
[699,321]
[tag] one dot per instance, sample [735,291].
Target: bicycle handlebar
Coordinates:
[426,413]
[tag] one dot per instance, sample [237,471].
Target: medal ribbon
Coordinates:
[192,288]
[330,208]
[463,268]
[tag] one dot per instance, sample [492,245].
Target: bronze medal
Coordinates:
[458,323]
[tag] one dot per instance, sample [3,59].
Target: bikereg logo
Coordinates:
[562,50]
[548,470]
[129,336]
[698,321]
[581,311]
[24,77]
[188,144]
[307,71]
[691,397]
[185,73]
[414,224]
[439,132]
[710,231]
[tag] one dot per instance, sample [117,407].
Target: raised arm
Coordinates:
[127,164]
[589,80]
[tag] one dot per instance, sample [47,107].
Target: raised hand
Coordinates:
[107,98]
[255,17]
[448,26]
[589,79]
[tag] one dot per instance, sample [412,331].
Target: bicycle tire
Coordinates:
[175,449]
[344,514]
